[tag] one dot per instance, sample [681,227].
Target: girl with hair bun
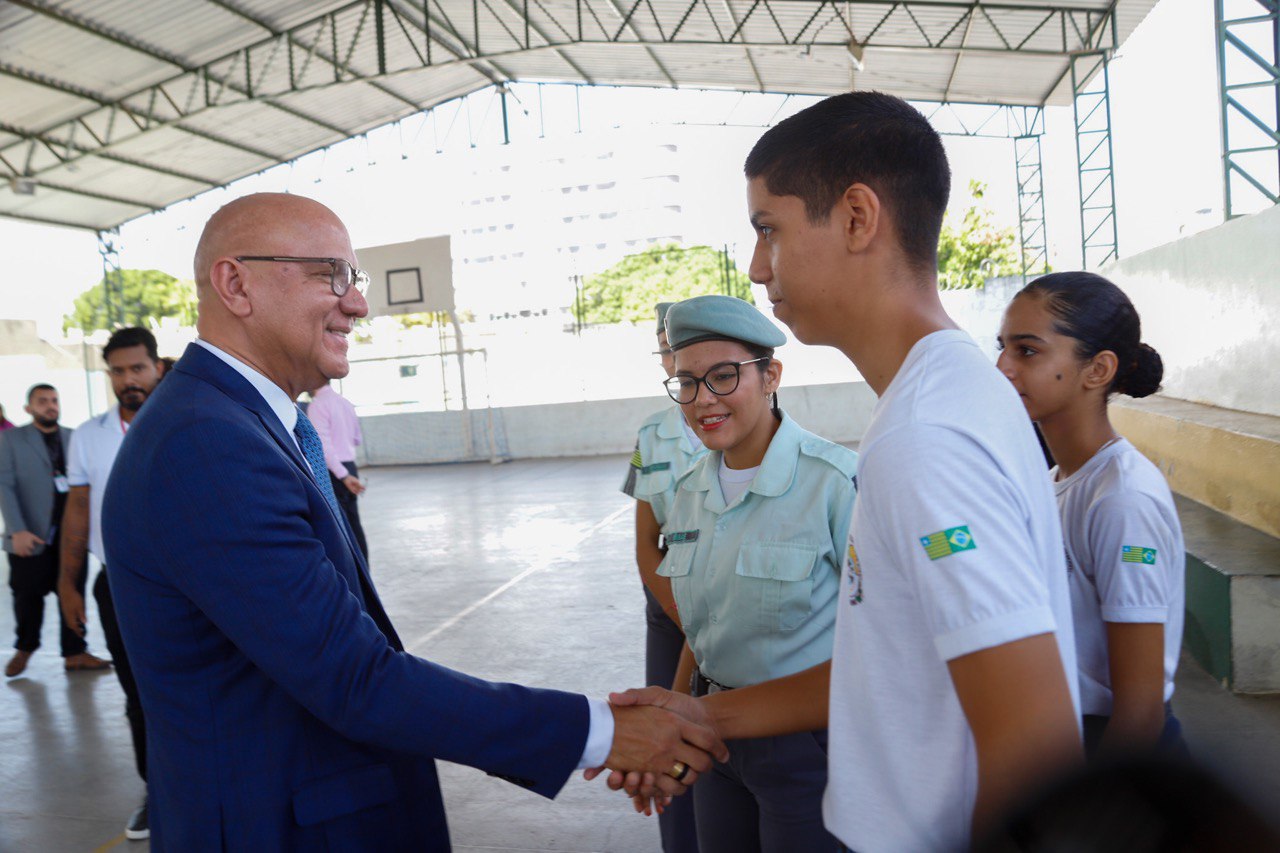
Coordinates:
[1068,342]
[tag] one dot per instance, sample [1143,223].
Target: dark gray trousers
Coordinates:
[766,798]
[124,672]
[663,643]
[31,579]
[348,503]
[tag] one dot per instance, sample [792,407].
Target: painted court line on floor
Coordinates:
[115,842]
[534,569]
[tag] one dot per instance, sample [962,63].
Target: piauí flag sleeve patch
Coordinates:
[1137,554]
[636,460]
[944,543]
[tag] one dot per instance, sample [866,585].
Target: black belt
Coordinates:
[701,685]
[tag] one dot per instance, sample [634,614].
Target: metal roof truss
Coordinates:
[154,113]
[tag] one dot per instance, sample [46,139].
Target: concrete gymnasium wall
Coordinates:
[839,412]
[1210,304]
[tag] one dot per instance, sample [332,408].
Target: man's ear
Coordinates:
[226,277]
[1101,370]
[861,214]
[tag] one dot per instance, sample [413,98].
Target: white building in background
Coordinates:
[540,213]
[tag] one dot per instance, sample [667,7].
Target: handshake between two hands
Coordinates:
[662,742]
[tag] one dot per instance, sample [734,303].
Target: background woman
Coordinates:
[665,448]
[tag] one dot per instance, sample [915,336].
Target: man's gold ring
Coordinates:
[678,771]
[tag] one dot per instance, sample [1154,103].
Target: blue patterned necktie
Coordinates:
[309,441]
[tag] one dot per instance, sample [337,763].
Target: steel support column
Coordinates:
[112,278]
[1091,98]
[1249,95]
[1031,228]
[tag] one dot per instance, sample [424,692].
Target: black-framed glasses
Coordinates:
[664,352]
[721,380]
[342,275]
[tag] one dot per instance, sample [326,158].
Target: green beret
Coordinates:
[661,310]
[719,318]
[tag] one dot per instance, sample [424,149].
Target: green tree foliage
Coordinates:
[977,249]
[431,319]
[145,294]
[628,290]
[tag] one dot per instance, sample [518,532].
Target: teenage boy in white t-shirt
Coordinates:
[949,688]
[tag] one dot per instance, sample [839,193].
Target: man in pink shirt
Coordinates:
[339,429]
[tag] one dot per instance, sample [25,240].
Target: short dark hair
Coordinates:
[39,386]
[862,137]
[132,336]
[1099,315]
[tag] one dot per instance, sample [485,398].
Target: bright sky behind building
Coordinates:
[393,186]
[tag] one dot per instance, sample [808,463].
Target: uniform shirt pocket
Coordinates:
[777,581]
[678,561]
[653,480]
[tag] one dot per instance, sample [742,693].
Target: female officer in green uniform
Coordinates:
[665,448]
[755,537]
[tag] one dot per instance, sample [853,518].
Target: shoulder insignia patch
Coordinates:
[944,543]
[636,460]
[854,570]
[1137,554]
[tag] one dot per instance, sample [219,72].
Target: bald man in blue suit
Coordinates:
[282,710]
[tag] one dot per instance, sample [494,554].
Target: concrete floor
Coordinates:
[518,572]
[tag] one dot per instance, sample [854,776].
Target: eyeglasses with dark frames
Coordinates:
[342,275]
[721,380]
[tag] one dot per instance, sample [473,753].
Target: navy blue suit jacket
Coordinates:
[282,712]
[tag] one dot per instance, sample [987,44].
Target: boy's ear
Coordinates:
[1101,370]
[861,213]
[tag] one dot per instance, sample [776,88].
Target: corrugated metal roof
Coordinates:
[115,108]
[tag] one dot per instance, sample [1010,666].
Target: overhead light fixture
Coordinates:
[22,186]
[855,54]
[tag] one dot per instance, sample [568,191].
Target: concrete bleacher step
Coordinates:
[1224,466]
[1233,599]
[1225,459]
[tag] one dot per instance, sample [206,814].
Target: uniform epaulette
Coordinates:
[653,420]
[697,463]
[841,458]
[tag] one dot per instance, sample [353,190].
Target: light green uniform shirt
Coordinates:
[756,581]
[663,452]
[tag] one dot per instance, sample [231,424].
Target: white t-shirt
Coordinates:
[93,450]
[954,547]
[1125,561]
[735,481]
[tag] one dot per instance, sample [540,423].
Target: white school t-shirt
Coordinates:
[734,482]
[94,446]
[1125,561]
[954,547]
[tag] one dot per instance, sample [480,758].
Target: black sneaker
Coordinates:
[137,829]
